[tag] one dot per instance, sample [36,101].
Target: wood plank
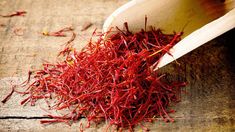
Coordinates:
[19,53]
[182,125]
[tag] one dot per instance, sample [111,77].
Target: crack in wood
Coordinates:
[44,117]
[24,117]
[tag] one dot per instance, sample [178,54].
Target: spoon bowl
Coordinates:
[200,20]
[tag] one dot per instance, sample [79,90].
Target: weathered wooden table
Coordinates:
[210,70]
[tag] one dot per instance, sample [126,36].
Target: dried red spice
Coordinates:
[110,79]
[9,95]
[3,25]
[86,25]
[60,33]
[68,47]
[16,13]
[68,43]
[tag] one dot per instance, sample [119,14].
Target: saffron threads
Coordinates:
[68,47]
[86,26]
[3,25]
[60,33]
[71,40]
[110,80]
[9,95]
[16,13]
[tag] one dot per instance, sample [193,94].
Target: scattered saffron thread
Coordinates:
[9,95]
[16,13]
[3,25]
[86,26]
[60,33]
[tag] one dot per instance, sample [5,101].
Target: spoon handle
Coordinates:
[200,37]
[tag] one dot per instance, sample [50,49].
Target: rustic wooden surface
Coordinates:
[210,70]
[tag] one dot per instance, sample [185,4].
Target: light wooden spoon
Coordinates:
[203,20]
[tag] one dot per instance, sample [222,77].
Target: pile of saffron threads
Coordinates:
[110,79]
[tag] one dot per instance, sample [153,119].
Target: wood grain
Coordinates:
[208,106]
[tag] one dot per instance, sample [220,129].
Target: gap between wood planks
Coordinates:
[44,117]
[23,117]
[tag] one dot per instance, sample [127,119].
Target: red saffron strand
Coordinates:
[86,26]
[60,33]
[9,95]
[16,13]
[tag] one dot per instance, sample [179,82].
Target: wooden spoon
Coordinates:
[201,20]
